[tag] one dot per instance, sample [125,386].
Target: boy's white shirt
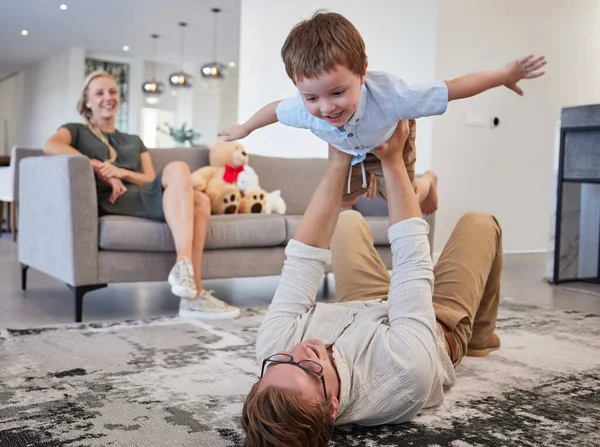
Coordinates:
[384,100]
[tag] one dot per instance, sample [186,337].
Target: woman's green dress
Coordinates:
[138,201]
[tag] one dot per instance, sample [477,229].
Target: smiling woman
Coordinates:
[127,184]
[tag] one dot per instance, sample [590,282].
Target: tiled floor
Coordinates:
[48,301]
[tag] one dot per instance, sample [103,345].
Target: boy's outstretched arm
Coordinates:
[265,116]
[475,83]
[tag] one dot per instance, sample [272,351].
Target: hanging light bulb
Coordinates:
[214,70]
[153,87]
[181,78]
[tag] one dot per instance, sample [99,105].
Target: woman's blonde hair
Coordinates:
[86,113]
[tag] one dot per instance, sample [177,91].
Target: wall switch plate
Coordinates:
[479,120]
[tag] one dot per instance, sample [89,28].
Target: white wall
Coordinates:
[507,171]
[215,105]
[205,109]
[229,99]
[11,104]
[400,36]
[50,91]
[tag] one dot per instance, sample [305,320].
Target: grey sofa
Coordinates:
[62,235]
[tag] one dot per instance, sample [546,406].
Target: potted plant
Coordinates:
[183,137]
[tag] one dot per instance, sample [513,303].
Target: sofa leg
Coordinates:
[24,268]
[78,292]
[2,217]
[325,286]
[15,218]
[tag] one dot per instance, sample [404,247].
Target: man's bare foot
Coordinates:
[349,202]
[429,204]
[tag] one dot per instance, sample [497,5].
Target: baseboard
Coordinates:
[436,255]
[515,252]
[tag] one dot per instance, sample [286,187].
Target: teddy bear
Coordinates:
[275,203]
[254,198]
[219,180]
[249,186]
[254,202]
[247,180]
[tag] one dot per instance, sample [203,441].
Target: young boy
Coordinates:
[356,110]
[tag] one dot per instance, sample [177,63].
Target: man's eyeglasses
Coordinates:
[306,365]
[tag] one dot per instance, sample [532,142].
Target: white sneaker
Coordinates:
[207,306]
[181,279]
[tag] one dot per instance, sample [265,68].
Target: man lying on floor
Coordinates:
[388,347]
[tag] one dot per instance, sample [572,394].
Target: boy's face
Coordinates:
[332,96]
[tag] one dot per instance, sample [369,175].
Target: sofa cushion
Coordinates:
[378,226]
[124,233]
[196,157]
[297,178]
[379,229]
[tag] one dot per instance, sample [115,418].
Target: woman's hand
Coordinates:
[118,189]
[107,170]
[97,165]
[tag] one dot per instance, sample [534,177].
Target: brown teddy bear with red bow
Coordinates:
[219,180]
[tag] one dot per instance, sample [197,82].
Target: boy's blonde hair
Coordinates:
[276,417]
[319,44]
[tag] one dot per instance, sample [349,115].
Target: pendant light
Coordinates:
[153,87]
[181,78]
[214,70]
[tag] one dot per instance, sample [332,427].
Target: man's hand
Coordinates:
[234,132]
[391,150]
[118,189]
[526,68]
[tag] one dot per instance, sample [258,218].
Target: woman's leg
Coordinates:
[201,219]
[178,206]
[205,304]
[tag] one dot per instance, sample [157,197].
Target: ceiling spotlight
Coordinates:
[231,64]
[24,32]
[63,7]
[125,48]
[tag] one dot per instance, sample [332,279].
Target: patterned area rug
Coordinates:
[174,382]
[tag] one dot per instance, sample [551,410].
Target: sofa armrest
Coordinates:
[58,218]
[19,153]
